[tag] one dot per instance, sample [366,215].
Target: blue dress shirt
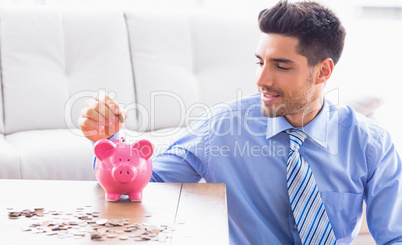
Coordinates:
[352,160]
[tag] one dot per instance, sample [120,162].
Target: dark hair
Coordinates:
[320,33]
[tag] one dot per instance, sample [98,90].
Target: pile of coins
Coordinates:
[140,232]
[82,223]
[27,213]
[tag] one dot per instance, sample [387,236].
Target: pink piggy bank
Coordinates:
[123,169]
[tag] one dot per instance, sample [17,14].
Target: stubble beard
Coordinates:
[291,104]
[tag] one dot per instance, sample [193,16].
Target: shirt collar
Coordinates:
[317,129]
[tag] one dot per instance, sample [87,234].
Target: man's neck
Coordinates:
[301,119]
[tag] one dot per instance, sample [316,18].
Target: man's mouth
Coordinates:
[269,97]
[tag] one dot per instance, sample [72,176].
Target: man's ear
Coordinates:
[325,70]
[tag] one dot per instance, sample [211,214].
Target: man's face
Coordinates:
[285,80]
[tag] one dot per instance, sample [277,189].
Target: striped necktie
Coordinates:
[308,210]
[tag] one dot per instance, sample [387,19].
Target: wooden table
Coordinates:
[194,213]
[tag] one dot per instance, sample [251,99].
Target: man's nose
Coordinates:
[264,77]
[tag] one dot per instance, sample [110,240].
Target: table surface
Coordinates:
[194,213]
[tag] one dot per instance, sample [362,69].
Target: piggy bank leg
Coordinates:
[135,196]
[112,197]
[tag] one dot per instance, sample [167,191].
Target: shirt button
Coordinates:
[295,226]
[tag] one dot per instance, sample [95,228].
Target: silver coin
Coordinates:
[111,235]
[123,237]
[101,221]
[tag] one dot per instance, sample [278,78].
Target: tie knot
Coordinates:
[296,137]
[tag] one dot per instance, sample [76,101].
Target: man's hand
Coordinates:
[99,118]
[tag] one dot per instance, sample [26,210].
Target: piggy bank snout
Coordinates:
[124,173]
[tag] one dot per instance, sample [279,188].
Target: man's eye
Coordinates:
[283,68]
[260,63]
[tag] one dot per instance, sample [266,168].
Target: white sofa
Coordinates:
[162,67]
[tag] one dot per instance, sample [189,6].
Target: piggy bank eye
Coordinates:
[120,159]
[128,160]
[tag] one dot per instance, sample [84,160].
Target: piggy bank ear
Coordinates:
[145,148]
[104,148]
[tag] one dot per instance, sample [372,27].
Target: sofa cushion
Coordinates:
[161,49]
[53,60]
[53,154]
[9,160]
[32,69]
[224,46]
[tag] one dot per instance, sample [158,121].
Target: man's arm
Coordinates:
[383,192]
[185,161]
[177,165]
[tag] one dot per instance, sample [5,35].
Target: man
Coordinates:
[296,167]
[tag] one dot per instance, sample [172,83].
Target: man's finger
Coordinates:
[109,102]
[102,109]
[94,115]
[90,125]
